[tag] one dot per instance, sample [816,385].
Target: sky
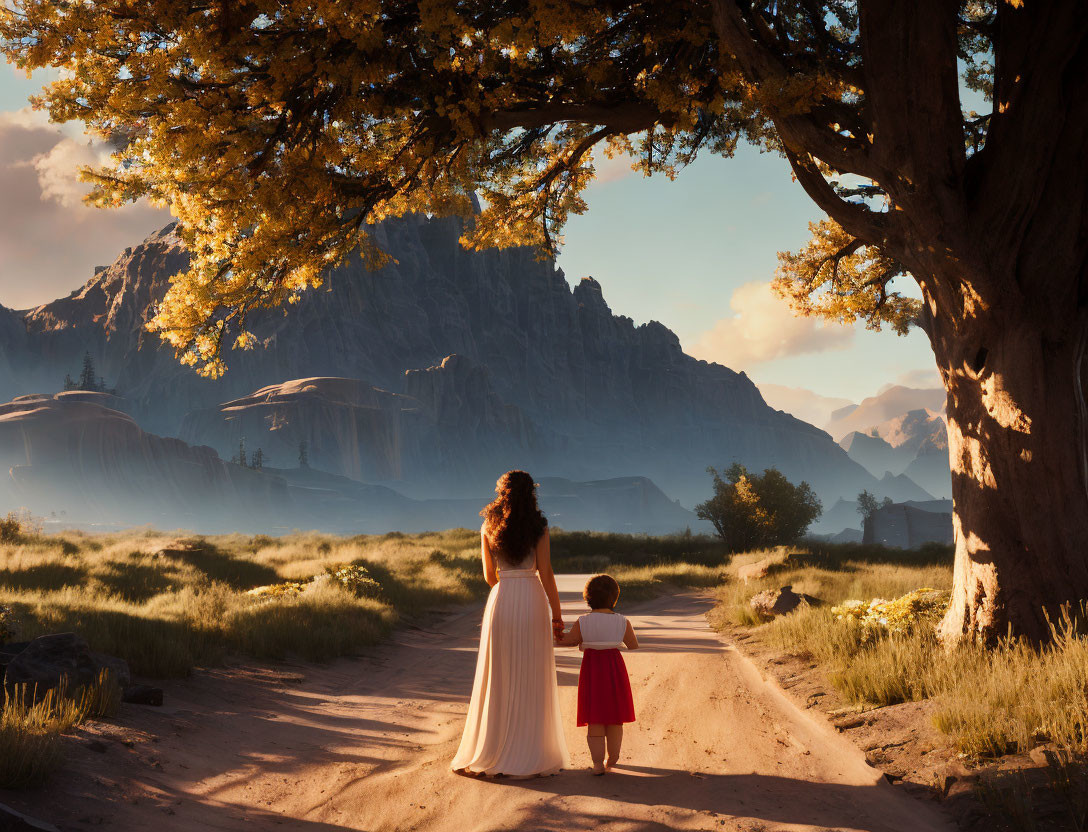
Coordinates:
[696,254]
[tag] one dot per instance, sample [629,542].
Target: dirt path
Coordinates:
[365,744]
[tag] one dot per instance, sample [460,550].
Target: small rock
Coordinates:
[142,695]
[1043,755]
[774,602]
[754,571]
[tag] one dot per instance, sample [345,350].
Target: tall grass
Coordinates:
[168,602]
[31,727]
[989,701]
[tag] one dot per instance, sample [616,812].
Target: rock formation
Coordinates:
[69,458]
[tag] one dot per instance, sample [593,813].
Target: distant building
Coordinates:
[909,525]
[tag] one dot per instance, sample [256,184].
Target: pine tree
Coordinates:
[303,454]
[88,379]
[258,460]
[240,457]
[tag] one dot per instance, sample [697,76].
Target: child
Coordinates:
[604,691]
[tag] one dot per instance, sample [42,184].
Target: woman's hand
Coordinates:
[557,629]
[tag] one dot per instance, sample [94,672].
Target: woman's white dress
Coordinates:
[514,725]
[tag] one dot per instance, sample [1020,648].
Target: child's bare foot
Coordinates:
[608,766]
[599,770]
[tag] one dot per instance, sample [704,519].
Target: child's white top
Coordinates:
[602,630]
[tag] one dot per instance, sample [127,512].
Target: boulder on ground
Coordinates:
[47,660]
[774,602]
[118,668]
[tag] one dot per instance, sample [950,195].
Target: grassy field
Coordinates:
[990,702]
[169,602]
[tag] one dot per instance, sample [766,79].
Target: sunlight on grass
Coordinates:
[31,727]
[991,702]
[168,602]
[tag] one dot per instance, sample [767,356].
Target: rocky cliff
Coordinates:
[75,460]
[543,373]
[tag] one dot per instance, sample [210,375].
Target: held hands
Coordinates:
[557,629]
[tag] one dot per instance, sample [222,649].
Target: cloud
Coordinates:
[58,171]
[50,241]
[921,379]
[612,170]
[806,405]
[764,328]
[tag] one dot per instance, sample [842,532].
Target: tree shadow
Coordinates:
[769,798]
[219,565]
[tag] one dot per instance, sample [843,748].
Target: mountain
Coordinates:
[806,405]
[913,445]
[432,375]
[875,410]
[876,453]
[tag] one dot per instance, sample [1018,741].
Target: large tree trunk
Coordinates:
[1018,447]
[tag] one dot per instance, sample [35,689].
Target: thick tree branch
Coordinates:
[871,227]
[909,52]
[801,132]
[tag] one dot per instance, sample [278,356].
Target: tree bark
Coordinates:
[1018,448]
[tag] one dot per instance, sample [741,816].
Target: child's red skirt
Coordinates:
[604,691]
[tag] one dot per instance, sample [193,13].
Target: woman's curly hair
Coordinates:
[513,522]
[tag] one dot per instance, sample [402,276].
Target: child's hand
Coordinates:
[557,630]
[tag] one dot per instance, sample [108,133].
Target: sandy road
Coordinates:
[364,744]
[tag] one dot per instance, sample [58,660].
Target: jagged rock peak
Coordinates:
[590,295]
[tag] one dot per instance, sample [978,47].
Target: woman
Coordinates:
[513,726]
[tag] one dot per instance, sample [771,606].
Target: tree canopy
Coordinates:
[754,511]
[278,131]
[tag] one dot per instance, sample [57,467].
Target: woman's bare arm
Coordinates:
[629,637]
[547,577]
[490,575]
[571,639]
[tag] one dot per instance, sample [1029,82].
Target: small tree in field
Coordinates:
[869,505]
[752,511]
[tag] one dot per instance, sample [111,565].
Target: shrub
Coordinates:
[918,609]
[31,727]
[355,579]
[751,511]
[18,525]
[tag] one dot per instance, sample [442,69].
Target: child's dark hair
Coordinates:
[601,592]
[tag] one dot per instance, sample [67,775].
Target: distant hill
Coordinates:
[806,405]
[875,410]
[912,445]
[77,462]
